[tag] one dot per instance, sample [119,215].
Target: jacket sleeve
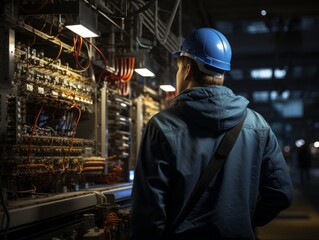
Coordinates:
[150,186]
[275,189]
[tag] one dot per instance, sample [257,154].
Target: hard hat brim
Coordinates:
[176,53]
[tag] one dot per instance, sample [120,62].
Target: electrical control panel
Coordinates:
[71,120]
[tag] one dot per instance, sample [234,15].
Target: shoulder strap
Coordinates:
[213,166]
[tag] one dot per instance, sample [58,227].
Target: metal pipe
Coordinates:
[171,43]
[161,27]
[148,18]
[139,33]
[170,22]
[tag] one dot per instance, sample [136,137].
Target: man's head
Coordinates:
[204,56]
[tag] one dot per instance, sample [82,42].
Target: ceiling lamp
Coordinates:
[144,65]
[82,31]
[85,22]
[144,72]
[167,88]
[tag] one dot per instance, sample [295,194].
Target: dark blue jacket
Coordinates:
[251,189]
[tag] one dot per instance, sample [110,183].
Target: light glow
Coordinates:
[167,88]
[287,149]
[273,95]
[144,72]
[285,94]
[131,175]
[220,46]
[279,73]
[264,73]
[300,142]
[257,27]
[82,31]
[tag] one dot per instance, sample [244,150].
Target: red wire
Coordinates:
[126,68]
[131,70]
[102,55]
[124,88]
[122,72]
[117,69]
[98,50]
[77,45]
[32,131]
[125,74]
[80,46]
[76,124]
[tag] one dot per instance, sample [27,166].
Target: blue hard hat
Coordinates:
[208,47]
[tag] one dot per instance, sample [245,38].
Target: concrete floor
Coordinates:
[301,220]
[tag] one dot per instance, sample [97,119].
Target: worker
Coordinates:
[251,188]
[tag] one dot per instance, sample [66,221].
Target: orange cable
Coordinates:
[77,52]
[131,70]
[126,68]
[76,124]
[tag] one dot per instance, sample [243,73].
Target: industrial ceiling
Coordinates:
[275,57]
[274,43]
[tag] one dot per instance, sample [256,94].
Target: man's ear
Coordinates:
[188,72]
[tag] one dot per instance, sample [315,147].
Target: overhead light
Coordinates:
[300,142]
[82,31]
[280,73]
[167,88]
[84,23]
[285,94]
[274,95]
[263,12]
[263,73]
[144,64]
[144,72]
